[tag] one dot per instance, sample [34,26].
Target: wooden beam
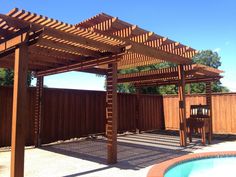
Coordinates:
[19,111]
[83,64]
[5,32]
[182,106]
[68,47]
[62,55]
[174,81]
[8,62]
[111,113]
[164,73]
[13,40]
[148,51]
[70,35]
[113,26]
[10,43]
[209,103]
[149,75]
[159,54]
[99,71]
[133,60]
[82,40]
[38,111]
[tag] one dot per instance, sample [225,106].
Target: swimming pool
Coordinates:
[211,164]
[207,167]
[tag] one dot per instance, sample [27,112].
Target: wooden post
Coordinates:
[137,119]
[19,111]
[182,106]
[111,113]
[209,103]
[38,111]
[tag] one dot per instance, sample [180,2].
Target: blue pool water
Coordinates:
[208,167]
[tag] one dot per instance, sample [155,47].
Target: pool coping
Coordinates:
[160,169]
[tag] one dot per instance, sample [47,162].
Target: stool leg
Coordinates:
[209,138]
[190,134]
[203,136]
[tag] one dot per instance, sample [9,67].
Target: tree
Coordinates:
[128,88]
[206,57]
[212,59]
[7,77]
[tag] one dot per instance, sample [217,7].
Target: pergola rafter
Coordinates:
[170,75]
[106,24]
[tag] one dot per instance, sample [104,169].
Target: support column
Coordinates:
[38,111]
[137,119]
[19,111]
[182,106]
[111,113]
[209,103]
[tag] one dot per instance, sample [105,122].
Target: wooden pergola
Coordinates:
[103,45]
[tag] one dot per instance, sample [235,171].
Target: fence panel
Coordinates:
[126,112]
[151,112]
[223,111]
[72,113]
[6,95]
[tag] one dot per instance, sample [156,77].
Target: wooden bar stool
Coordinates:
[199,122]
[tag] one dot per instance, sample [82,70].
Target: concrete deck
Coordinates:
[136,154]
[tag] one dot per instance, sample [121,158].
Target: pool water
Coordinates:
[208,167]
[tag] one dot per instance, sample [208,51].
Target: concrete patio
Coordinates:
[87,157]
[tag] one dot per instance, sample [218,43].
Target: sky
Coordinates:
[201,24]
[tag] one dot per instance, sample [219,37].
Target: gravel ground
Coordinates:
[136,155]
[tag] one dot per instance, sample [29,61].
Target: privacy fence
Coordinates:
[75,113]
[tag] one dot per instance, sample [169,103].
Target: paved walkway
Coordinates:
[136,154]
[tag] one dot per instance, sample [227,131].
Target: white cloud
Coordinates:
[217,50]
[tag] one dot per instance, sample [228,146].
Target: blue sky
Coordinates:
[201,24]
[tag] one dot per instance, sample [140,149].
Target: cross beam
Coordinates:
[83,64]
[12,42]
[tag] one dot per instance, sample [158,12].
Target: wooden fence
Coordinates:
[75,113]
[223,111]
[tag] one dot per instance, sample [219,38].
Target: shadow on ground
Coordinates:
[135,151]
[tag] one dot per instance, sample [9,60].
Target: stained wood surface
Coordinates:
[182,105]
[92,38]
[19,113]
[111,113]
[77,113]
